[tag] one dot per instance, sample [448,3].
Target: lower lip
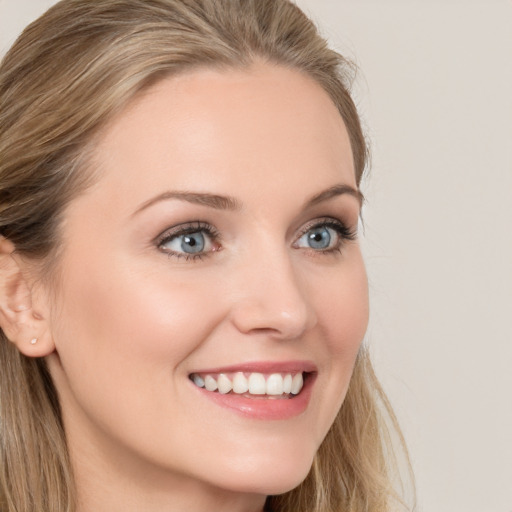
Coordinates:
[264,408]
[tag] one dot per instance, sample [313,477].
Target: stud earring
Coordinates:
[33,341]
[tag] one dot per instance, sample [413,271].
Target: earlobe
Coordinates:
[21,324]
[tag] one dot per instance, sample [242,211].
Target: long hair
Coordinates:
[63,80]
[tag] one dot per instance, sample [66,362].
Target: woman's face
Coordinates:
[217,245]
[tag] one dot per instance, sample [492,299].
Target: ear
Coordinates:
[24,324]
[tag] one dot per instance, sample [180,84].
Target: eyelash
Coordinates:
[188,229]
[344,233]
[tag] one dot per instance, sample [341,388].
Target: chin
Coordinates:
[267,486]
[271,478]
[283,484]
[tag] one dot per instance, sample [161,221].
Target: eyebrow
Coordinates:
[336,190]
[203,199]
[231,204]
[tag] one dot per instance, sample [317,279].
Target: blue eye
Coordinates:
[325,236]
[191,243]
[319,238]
[188,241]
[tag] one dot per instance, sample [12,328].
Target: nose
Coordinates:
[271,297]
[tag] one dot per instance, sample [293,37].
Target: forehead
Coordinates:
[223,128]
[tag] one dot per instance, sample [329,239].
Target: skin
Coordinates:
[129,322]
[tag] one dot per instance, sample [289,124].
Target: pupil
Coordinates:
[320,238]
[193,243]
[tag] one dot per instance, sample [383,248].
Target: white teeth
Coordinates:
[257,384]
[210,383]
[240,383]
[198,381]
[275,384]
[297,384]
[224,384]
[287,384]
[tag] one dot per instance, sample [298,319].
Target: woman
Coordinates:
[183,296]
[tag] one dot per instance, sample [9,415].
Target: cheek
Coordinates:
[341,303]
[123,335]
[140,313]
[343,308]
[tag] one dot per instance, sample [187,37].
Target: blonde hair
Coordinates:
[66,76]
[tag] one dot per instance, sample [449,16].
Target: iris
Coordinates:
[319,237]
[192,243]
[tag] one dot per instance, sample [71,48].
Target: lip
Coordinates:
[263,367]
[264,408]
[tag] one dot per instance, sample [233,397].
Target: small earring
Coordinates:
[33,341]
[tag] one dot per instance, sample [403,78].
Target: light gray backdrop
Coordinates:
[435,92]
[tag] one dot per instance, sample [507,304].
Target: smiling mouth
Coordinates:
[252,384]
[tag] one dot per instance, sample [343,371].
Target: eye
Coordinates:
[190,244]
[319,238]
[189,241]
[325,236]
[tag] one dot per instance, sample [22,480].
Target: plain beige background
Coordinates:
[435,92]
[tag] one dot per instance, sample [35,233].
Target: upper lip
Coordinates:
[264,367]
